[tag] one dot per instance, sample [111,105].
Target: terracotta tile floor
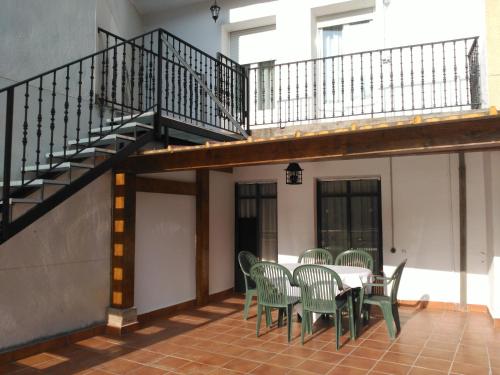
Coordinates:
[216,340]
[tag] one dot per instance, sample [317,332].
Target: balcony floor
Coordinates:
[216,340]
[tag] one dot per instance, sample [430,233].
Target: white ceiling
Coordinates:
[152,6]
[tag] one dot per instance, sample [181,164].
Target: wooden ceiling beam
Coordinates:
[473,134]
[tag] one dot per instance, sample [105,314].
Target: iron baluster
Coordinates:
[412,80]
[190,87]
[324,88]
[352,85]
[333,87]
[52,118]
[113,86]
[314,89]
[66,111]
[433,79]
[152,92]
[467,75]
[25,130]
[391,78]
[342,82]
[306,96]
[422,75]
[381,83]
[279,94]
[141,77]
[444,76]
[124,78]
[362,85]
[288,91]
[91,98]
[79,105]
[402,79]
[132,80]
[39,124]
[455,71]
[7,158]
[103,88]
[371,82]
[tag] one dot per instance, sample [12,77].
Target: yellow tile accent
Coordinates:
[117,273]
[119,203]
[120,179]
[119,226]
[117,298]
[417,120]
[493,111]
[118,250]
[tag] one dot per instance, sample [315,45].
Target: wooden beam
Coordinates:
[471,134]
[153,185]
[462,189]
[123,241]
[202,236]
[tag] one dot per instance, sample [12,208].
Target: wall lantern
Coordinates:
[215,9]
[293,174]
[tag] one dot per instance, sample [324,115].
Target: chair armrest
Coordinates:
[372,284]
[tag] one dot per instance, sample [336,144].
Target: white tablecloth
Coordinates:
[353,277]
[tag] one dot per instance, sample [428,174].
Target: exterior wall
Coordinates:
[54,275]
[424,193]
[221,262]
[295,22]
[493,41]
[165,250]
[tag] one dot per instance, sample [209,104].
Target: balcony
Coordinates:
[415,79]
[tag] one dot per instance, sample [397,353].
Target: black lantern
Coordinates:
[215,9]
[293,174]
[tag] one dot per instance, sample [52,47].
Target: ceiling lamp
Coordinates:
[293,174]
[215,9]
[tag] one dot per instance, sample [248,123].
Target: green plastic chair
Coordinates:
[322,291]
[316,256]
[246,261]
[388,304]
[274,290]
[355,258]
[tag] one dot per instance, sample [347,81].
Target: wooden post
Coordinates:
[202,235]
[462,188]
[122,313]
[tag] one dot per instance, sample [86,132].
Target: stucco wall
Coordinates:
[166,243]
[426,227]
[54,275]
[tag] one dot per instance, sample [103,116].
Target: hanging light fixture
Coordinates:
[293,174]
[215,9]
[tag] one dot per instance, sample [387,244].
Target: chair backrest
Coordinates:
[355,258]
[396,279]
[273,283]
[318,287]
[246,261]
[316,256]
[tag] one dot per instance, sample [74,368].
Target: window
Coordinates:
[349,217]
[266,85]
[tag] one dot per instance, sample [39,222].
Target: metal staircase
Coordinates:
[68,126]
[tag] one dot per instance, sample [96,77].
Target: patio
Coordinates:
[216,340]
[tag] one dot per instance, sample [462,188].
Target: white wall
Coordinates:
[426,221]
[221,262]
[54,275]
[165,249]
[165,253]
[400,23]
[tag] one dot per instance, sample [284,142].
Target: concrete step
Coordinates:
[131,127]
[85,153]
[59,168]
[104,141]
[145,118]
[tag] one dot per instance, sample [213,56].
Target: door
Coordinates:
[256,224]
[349,217]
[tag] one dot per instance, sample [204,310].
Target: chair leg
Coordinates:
[280,317]
[259,316]
[352,327]
[269,317]
[310,322]
[248,302]
[395,314]
[289,320]
[338,327]
[389,319]
[303,327]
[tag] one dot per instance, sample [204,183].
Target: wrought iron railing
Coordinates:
[186,86]
[52,117]
[409,79]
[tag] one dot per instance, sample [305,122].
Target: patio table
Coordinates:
[352,277]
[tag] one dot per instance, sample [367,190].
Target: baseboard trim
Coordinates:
[495,321]
[449,306]
[58,341]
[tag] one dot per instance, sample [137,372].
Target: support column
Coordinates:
[462,191]
[202,235]
[122,315]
